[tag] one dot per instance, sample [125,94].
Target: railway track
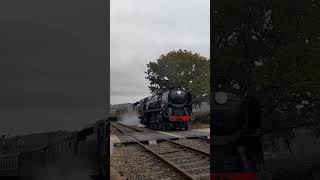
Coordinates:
[195,143]
[127,129]
[191,163]
[201,138]
[114,130]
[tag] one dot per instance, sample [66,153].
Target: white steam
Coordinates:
[130,119]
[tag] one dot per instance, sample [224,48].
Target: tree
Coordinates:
[180,68]
[269,49]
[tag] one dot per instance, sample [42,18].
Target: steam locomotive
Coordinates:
[167,111]
[237,139]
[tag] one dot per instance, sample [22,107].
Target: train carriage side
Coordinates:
[92,149]
[9,165]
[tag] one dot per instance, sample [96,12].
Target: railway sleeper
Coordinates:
[182,153]
[173,151]
[203,176]
[167,151]
[152,142]
[198,168]
[179,156]
[184,159]
[163,150]
[188,154]
[197,171]
[193,151]
[190,165]
[150,163]
[131,128]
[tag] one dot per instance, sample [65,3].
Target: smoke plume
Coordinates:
[130,119]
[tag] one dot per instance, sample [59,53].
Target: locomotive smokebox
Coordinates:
[177,96]
[229,116]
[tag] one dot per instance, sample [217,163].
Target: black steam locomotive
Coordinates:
[236,132]
[167,111]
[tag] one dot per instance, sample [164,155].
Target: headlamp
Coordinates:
[179,92]
[221,97]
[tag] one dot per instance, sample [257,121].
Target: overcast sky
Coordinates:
[53,68]
[142,30]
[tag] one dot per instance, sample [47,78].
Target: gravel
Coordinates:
[199,144]
[182,157]
[115,131]
[122,127]
[136,164]
[199,126]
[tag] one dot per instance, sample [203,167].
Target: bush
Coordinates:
[201,117]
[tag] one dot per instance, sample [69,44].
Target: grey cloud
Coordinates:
[143,30]
[53,68]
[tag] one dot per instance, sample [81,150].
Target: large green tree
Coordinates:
[180,68]
[270,49]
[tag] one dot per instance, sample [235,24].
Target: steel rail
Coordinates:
[130,127]
[179,170]
[205,139]
[188,147]
[173,142]
[200,137]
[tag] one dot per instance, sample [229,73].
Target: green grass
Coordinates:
[120,145]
